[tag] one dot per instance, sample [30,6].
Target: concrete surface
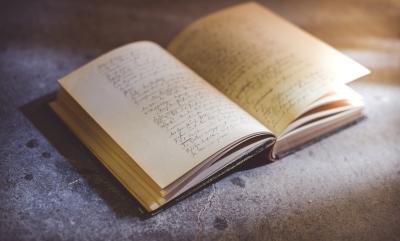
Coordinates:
[345,187]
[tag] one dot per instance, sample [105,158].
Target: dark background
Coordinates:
[345,187]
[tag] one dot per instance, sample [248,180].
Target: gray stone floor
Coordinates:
[344,187]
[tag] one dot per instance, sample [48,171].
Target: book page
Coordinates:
[167,118]
[268,66]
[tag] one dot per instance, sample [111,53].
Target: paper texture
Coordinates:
[268,66]
[161,113]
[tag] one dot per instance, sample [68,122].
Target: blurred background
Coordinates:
[344,187]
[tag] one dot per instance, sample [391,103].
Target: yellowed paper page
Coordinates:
[268,66]
[167,118]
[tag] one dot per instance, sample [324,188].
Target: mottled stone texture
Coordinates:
[345,187]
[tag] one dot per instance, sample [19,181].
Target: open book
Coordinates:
[231,84]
